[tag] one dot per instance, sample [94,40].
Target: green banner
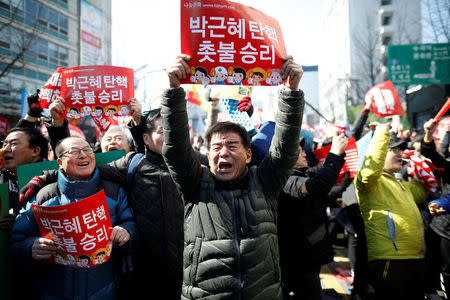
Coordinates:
[5,269]
[4,199]
[419,64]
[26,172]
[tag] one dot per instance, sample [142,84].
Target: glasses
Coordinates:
[76,152]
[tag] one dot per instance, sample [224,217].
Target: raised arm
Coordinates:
[283,152]
[375,158]
[183,164]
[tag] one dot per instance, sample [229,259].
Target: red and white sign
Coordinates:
[73,129]
[386,101]
[3,125]
[351,158]
[97,91]
[104,122]
[51,89]
[81,231]
[230,43]
[441,128]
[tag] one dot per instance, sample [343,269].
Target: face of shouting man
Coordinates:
[17,150]
[227,155]
[76,158]
[393,162]
[115,140]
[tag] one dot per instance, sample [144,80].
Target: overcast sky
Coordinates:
[148,32]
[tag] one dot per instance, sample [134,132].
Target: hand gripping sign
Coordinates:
[230,44]
[81,231]
[386,101]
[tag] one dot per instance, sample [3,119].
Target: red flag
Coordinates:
[351,158]
[386,101]
[443,110]
[51,89]
[3,125]
[230,43]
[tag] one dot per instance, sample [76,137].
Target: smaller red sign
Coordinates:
[104,122]
[351,158]
[386,101]
[3,125]
[81,231]
[97,91]
[51,89]
[91,39]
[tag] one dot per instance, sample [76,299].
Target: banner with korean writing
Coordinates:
[80,230]
[386,101]
[51,89]
[97,91]
[230,43]
[351,158]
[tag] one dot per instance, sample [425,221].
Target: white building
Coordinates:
[354,39]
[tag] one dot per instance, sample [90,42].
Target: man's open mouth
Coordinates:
[83,164]
[224,166]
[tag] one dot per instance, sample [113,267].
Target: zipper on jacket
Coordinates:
[236,241]
[417,220]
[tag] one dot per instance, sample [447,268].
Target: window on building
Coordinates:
[30,9]
[42,49]
[53,20]
[386,2]
[42,14]
[386,20]
[5,36]
[17,7]
[387,39]
[63,24]
[63,55]
[17,40]
[4,4]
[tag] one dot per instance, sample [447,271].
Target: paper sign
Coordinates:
[237,116]
[51,89]
[81,231]
[351,158]
[26,172]
[386,101]
[104,122]
[230,43]
[97,91]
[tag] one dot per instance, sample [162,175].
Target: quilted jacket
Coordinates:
[230,232]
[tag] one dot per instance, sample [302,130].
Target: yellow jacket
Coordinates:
[392,220]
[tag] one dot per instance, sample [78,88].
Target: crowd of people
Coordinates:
[228,215]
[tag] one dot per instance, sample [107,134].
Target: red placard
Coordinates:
[51,89]
[104,122]
[230,43]
[3,125]
[81,231]
[386,101]
[351,158]
[97,91]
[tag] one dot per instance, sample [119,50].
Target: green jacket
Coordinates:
[393,223]
[230,232]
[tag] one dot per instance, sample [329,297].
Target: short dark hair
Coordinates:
[224,127]
[240,70]
[35,139]
[150,119]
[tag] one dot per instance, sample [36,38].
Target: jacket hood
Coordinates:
[79,189]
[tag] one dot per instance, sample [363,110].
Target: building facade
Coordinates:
[38,36]
[354,47]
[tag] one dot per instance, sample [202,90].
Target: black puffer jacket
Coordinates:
[231,244]
[302,220]
[158,212]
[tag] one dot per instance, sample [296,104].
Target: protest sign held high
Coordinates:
[80,230]
[97,91]
[231,44]
[386,101]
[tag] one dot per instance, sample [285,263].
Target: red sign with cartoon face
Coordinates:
[230,43]
[81,231]
[97,91]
